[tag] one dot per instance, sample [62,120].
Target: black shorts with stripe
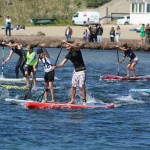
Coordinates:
[49,76]
[29,69]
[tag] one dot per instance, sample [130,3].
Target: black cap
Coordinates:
[39,51]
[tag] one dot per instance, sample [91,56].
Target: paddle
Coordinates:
[39,99]
[28,94]
[2,73]
[118,60]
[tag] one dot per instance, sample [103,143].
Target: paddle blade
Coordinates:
[28,95]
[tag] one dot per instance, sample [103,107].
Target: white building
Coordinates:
[139,11]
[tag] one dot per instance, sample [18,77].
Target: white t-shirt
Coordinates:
[8,21]
[47,64]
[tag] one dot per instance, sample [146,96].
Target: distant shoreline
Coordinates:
[54,35]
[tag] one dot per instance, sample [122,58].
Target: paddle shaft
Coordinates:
[41,96]
[118,62]
[2,73]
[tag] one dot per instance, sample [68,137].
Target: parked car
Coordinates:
[123,20]
[137,29]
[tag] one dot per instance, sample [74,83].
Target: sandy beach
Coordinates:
[58,31]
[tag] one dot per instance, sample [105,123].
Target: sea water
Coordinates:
[126,127]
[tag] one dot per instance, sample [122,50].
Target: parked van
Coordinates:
[86,18]
[123,20]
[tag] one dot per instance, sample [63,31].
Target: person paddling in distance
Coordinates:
[16,48]
[44,57]
[30,62]
[79,73]
[133,59]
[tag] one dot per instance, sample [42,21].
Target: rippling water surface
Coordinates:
[126,127]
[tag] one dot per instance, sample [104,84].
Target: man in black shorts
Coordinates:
[79,74]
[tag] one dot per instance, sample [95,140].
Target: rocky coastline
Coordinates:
[53,42]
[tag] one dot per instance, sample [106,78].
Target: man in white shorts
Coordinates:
[79,73]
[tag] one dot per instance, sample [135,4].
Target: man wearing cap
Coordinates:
[44,57]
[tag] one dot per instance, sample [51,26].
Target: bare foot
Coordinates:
[44,101]
[27,86]
[71,102]
[52,101]
[84,104]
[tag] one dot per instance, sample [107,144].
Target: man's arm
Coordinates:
[61,64]
[9,56]
[9,44]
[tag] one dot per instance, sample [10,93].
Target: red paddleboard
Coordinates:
[39,105]
[113,77]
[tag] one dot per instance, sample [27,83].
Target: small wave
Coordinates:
[126,100]
[56,78]
[3,93]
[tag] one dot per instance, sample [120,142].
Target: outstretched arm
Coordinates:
[9,56]
[61,64]
[10,44]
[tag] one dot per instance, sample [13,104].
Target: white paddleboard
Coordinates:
[18,80]
[17,101]
[3,79]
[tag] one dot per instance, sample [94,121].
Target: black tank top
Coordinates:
[75,56]
[18,52]
[129,53]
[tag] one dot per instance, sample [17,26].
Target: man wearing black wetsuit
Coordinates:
[16,48]
[133,59]
[79,74]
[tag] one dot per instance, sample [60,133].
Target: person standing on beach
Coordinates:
[16,48]
[79,73]
[147,32]
[118,32]
[112,34]
[8,25]
[133,59]
[85,35]
[44,57]
[142,33]
[99,32]
[30,62]
[68,33]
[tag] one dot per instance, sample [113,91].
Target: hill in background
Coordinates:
[22,10]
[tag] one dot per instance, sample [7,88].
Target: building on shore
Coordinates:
[139,11]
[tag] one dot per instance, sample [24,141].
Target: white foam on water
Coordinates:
[127,100]
[3,93]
